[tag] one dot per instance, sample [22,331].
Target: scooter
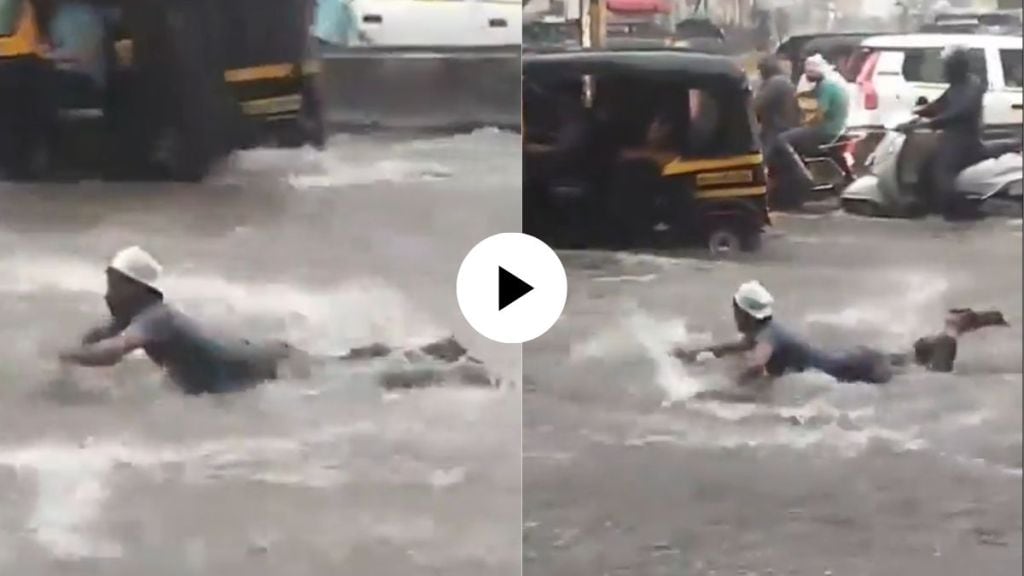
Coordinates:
[890,190]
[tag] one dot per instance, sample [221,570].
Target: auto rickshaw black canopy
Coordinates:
[699,69]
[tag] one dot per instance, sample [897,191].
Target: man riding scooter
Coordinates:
[825,108]
[957,115]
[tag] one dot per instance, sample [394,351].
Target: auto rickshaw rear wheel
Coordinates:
[726,237]
[724,241]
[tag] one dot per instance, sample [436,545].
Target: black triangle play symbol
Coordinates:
[510,288]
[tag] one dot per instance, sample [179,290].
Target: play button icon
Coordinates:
[511,288]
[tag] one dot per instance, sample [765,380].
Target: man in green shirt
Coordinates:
[828,121]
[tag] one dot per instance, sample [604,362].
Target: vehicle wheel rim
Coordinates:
[723,242]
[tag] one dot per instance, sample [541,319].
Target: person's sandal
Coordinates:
[968,320]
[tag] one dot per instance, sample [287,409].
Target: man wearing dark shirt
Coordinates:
[200,362]
[775,103]
[772,350]
[957,114]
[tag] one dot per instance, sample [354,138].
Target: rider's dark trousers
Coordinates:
[806,140]
[785,153]
[952,155]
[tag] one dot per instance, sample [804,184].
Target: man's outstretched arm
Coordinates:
[104,331]
[104,352]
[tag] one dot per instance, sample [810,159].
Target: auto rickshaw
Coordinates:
[186,83]
[593,176]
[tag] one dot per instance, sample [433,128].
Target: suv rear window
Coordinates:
[1013,62]
[925,65]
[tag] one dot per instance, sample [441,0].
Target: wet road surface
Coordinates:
[110,471]
[626,473]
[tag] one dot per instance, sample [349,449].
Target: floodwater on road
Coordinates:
[111,471]
[627,472]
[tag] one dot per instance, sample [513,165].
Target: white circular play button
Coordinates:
[511,288]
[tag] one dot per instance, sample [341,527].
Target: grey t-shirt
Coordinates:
[196,360]
[791,353]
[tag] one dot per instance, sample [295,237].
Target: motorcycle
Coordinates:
[828,172]
[890,189]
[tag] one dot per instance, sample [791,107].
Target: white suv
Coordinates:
[897,72]
[431,24]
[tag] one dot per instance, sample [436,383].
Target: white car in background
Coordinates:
[440,23]
[898,72]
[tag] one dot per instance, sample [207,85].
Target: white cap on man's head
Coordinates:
[816,63]
[754,299]
[139,265]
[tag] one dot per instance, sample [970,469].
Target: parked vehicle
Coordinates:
[427,24]
[894,72]
[551,32]
[701,182]
[183,88]
[974,22]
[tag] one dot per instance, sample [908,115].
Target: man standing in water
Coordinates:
[200,363]
[772,350]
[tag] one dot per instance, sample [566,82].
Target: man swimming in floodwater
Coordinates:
[200,363]
[772,350]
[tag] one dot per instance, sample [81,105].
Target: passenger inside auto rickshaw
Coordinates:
[76,42]
[684,125]
[559,152]
[658,145]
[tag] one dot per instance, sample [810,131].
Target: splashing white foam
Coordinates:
[70,491]
[639,333]
[900,306]
[344,163]
[657,339]
[72,481]
[358,311]
[334,173]
[844,442]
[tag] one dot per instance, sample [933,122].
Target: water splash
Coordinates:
[356,312]
[333,173]
[73,480]
[657,339]
[901,307]
[345,162]
[637,332]
[71,487]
